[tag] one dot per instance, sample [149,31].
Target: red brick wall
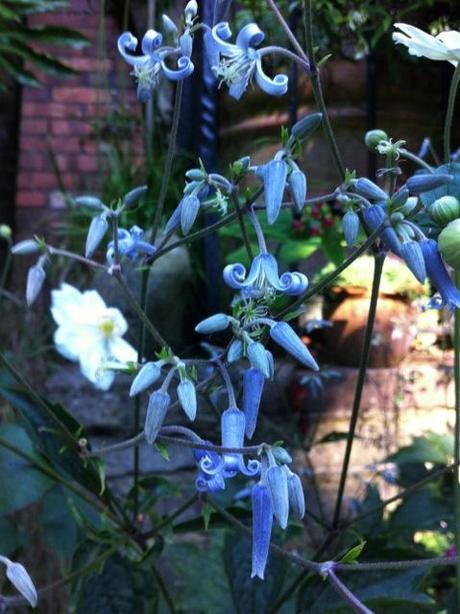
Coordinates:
[59,117]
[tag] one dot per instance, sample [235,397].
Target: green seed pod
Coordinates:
[373,138]
[449,244]
[444,210]
[305,127]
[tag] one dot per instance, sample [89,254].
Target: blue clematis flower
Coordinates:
[236,64]
[438,275]
[262,522]
[264,278]
[374,216]
[253,385]
[130,244]
[151,65]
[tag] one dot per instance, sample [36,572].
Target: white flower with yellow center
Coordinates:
[90,333]
[445,46]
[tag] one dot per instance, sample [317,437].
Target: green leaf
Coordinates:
[251,595]
[12,536]
[120,588]
[293,251]
[335,436]
[432,448]
[449,189]
[424,509]
[353,554]
[331,243]
[21,483]
[57,523]
[162,450]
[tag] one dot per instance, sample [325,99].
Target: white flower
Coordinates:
[444,46]
[18,576]
[90,333]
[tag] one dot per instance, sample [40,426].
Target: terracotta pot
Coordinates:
[394,329]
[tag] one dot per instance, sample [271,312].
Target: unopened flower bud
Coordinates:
[148,375]
[35,279]
[449,244]
[424,182]
[96,232]
[90,202]
[18,576]
[132,198]
[444,210]
[373,138]
[350,226]
[5,231]
[305,127]
[24,248]
[156,412]
[187,398]
[213,324]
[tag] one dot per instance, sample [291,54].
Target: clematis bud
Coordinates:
[213,324]
[424,182]
[350,226]
[190,205]
[444,210]
[373,138]
[449,244]
[305,127]
[174,220]
[24,248]
[296,496]
[5,232]
[281,455]
[262,522]
[187,398]
[190,11]
[298,187]
[168,25]
[18,576]
[90,202]
[275,174]
[96,232]
[367,188]
[195,174]
[35,278]
[284,336]
[156,412]
[258,358]
[235,351]
[253,385]
[400,197]
[233,425]
[276,479]
[148,375]
[411,253]
[132,198]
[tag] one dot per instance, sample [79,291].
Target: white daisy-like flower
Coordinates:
[445,46]
[90,333]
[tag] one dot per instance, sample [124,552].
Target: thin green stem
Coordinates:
[457,438]
[378,266]
[6,265]
[163,589]
[328,279]
[145,320]
[450,113]
[318,90]
[169,160]
[413,158]
[244,232]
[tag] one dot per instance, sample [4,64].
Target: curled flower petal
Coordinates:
[185,67]
[276,86]
[151,41]
[250,36]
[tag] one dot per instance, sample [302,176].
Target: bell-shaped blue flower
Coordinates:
[156,412]
[233,426]
[438,275]
[264,278]
[374,216]
[277,484]
[259,359]
[97,229]
[296,495]
[274,174]
[130,244]
[350,227]
[235,351]
[151,65]
[236,64]
[285,336]
[367,188]
[187,398]
[412,254]
[148,375]
[424,182]
[253,385]
[213,324]
[262,522]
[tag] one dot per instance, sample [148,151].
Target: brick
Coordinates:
[25,198]
[52,109]
[93,64]
[30,160]
[34,126]
[87,163]
[66,127]
[33,143]
[62,144]
[80,94]
[37,180]
[36,94]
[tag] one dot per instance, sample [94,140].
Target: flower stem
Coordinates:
[378,266]
[457,438]
[346,594]
[244,232]
[450,113]
[413,158]
[318,90]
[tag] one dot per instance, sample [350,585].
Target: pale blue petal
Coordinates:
[276,86]
[249,36]
[185,68]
